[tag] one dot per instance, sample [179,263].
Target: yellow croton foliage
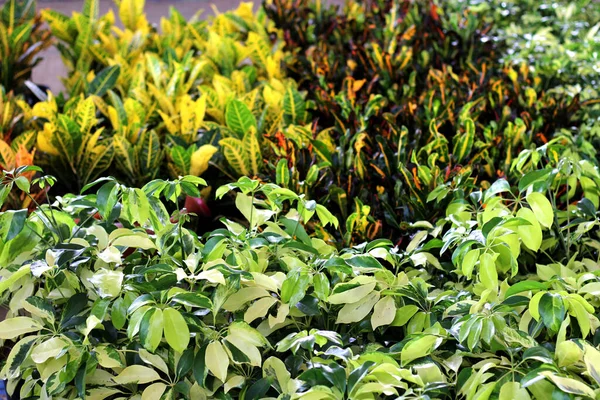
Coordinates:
[177,95]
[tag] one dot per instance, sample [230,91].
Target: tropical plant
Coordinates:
[72,143]
[16,148]
[260,309]
[415,217]
[195,85]
[410,95]
[23,37]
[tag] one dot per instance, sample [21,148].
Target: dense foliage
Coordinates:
[403,203]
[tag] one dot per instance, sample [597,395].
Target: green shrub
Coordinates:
[416,217]
[410,95]
[110,294]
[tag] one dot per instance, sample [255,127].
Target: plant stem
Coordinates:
[94,211]
[180,232]
[39,207]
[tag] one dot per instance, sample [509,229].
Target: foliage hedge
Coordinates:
[403,202]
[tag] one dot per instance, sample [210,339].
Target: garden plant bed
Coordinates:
[389,199]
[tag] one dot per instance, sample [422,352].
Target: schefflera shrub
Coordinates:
[111,296]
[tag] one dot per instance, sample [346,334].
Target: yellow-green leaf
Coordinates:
[542,208]
[417,348]
[384,312]
[13,327]
[217,360]
[239,118]
[487,271]
[136,374]
[176,330]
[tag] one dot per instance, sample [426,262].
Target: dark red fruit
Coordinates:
[198,206]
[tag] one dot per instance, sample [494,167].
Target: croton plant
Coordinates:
[392,199]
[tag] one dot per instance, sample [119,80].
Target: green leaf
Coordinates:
[464,141]
[253,151]
[192,300]
[294,287]
[119,313]
[326,217]
[105,80]
[282,176]
[23,184]
[12,223]
[176,330]
[552,310]
[151,329]
[525,286]
[418,347]
[469,261]
[404,314]
[294,106]
[239,118]
[500,186]
[488,275]
[542,208]
[107,198]
[364,261]
[233,150]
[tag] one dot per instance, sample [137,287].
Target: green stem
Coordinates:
[94,211]
[560,234]
[55,226]
[180,232]
[51,211]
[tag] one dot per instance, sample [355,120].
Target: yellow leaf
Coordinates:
[352,295]
[154,391]
[200,159]
[354,312]
[234,382]
[7,156]
[137,374]
[171,126]
[217,360]
[384,312]
[199,112]
[247,348]
[44,140]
